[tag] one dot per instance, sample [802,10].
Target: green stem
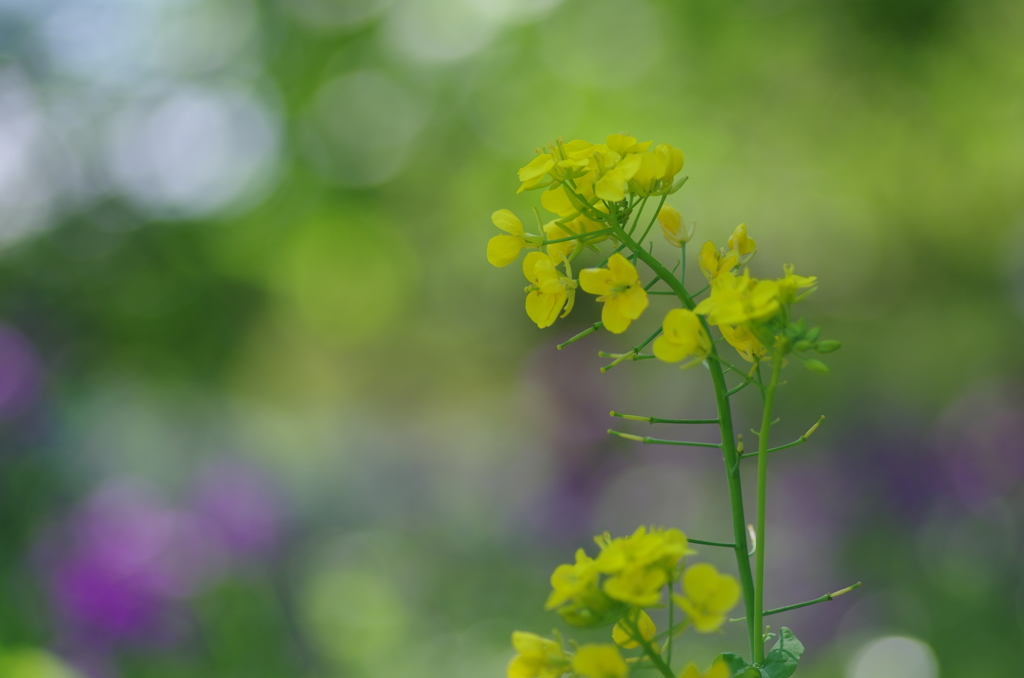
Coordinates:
[711,543]
[659,420]
[824,599]
[762,487]
[649,650]
[725,425]
[647,440]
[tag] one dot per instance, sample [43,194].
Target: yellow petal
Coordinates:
[508,222]
[613,320]
[619,142]
[543,307]
[502,250]
[726,595]
[719,670]
[596,280]
[700,582]
[629,166]
[623,636]
[669,352]
[599,661]
[691,671]
[557,201]
[632,302]
[623,272]
[611,187]
[537,168]
[530,263]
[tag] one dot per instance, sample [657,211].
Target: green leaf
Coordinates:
[738,668]
[782,660]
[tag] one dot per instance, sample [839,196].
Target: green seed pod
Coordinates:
[816,366]
[828,346]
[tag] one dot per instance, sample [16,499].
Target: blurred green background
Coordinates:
[267,411]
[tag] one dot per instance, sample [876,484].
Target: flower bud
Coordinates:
[827,346]
[816,366]
[672,226]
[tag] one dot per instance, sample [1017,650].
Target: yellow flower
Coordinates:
[657,168]
[709,595]
[638,585]
[744,341]
[623,636]
[789,285]
[620,289]
[682,336]
[736,300]
[718,670]
[538,657]
[572,582]
[502,250]
[673,228]
[557,201]
[623,144]
[533,173]
[550,291]
[599,661]
[713,263]
[613,183]
[657,548]
[742,244]
[673,159]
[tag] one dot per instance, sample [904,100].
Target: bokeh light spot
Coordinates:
[194,152]
[894,657]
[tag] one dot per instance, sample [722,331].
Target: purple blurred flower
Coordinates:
[237,504]
[21,373]
[981,442]
[127,558]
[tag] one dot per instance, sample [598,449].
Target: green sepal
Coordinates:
[738,668]
[781,662]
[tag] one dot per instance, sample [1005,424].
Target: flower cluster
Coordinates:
[627,577]
[597,194]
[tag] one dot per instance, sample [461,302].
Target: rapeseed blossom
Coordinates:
[742,244]
[744,341]
[572,582]
[624,636]
[672,226]
[790,283]
[537,657]
[619,288]
[713,263]
[599,661]
[682,336]
[502,250]
[549,292]
[736,300]
[708,596]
